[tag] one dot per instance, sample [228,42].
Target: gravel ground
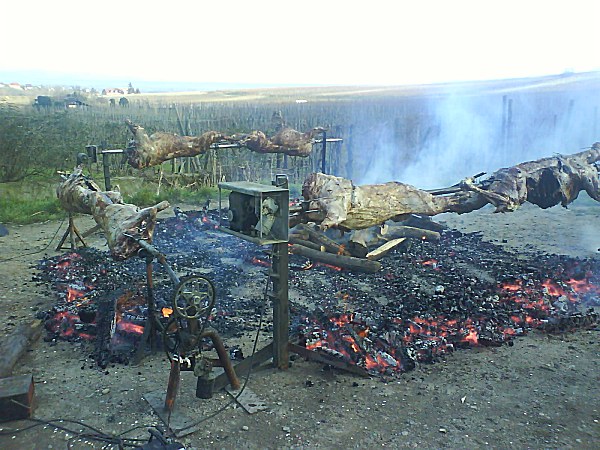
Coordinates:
[542,392]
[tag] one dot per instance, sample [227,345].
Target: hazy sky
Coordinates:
[301,42]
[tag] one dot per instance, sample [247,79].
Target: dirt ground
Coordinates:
[543,392]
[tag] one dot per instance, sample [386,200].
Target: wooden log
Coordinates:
[299,234]
[394,232]
[319,238]
[347,262]
[384,249]
[423,222]
[305,243]
[16,344]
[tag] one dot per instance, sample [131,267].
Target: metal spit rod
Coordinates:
[161,258]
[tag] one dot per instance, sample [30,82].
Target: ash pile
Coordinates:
[428,300]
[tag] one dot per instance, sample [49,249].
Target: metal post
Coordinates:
[106,167]
[324,152]
[281,315]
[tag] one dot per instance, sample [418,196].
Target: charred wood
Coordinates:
[356,264]
[305,243]
[394,232]
[105,327]
[320,239]
[423,222]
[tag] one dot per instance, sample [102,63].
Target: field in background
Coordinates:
[429,135]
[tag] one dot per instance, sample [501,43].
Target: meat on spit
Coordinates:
[545,182]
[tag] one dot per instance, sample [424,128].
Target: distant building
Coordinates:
[72,102]
[15,86]
[114,91]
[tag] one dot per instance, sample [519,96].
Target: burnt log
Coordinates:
[545,182]
[320,239]
[119,221]
[305,243]
[394,232]
[347,262]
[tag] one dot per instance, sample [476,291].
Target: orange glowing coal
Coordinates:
[342,320]
[583,286]
[260,262]
[73,294]
[166,312]
[513,287]
[472,338]
[129,327]
[433,263]
[553,289]
[336,268]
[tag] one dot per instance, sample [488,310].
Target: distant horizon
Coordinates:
[63,79]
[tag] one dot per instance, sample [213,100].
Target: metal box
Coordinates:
[258,213]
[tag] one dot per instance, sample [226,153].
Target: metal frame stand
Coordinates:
[73,234]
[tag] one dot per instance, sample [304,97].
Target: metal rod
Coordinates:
[106,169]
[159,256]
[151,305]
[173,386]
[323,151]
[319,141]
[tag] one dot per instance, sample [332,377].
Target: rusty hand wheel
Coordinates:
[194,297]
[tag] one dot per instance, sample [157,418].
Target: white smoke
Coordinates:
[462,134]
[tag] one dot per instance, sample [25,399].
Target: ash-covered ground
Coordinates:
[536,393]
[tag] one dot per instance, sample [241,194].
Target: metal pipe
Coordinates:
[106,169]
[323,151]
[223,356]
[159,256]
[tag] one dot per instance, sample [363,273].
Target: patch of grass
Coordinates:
[16,209]
[146,196]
